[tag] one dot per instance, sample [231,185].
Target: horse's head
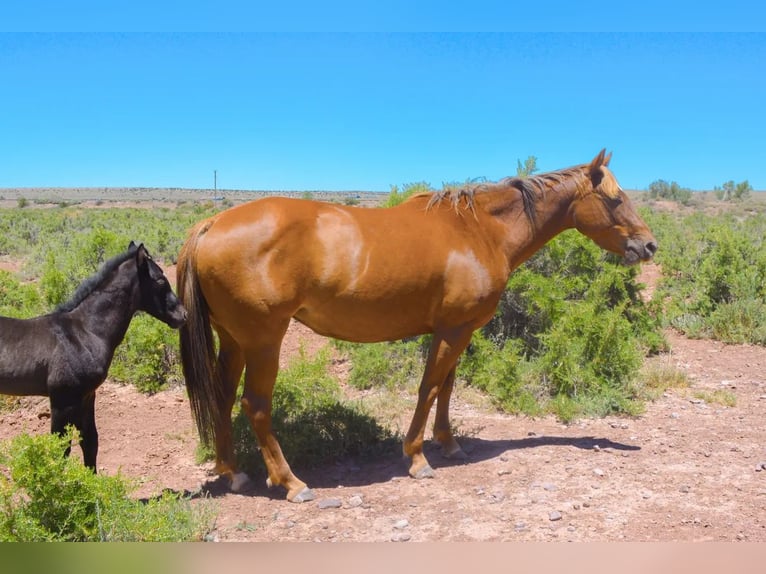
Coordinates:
[157,297]
[603,212]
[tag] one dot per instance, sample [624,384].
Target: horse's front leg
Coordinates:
[438,374]
[442,429]
[64,412]
[87,428]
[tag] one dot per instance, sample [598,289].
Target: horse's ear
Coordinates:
[594,169]
[598,161]
[607,158]
[141,254]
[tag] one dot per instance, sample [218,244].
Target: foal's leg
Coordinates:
[260,376]
[87,428]
[64,412]
[230,365]
[442,430]
[442,358]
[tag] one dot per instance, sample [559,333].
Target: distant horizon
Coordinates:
[255,190]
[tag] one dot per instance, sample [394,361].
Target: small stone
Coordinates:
[554,515]
[401,524]
[550,487]
[400,537]
[598,472]
[355,501]
[329,503]
[503,471]
[685,488]
[520,526]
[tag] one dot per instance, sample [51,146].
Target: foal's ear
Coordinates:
[141,254]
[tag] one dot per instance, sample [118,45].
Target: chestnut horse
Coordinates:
[437,263]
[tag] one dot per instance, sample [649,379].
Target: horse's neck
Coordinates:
[108,310]
[523,237]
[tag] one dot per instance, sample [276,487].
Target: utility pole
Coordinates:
[215,183]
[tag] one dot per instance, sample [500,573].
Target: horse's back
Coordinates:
[353,273]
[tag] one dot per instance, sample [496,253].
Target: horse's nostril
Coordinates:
[651,247]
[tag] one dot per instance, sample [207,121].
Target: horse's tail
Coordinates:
[197,343]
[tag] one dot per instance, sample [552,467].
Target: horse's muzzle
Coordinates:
[639,250]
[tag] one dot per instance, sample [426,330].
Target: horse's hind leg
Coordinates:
[442,430]
[230,365]
[261,374]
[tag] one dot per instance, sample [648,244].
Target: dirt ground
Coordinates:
[686,470]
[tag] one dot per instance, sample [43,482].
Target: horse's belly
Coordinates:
[363,325]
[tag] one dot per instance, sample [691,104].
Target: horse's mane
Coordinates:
[91,283]
[530,188]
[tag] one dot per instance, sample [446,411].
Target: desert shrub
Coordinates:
[45,496]
[661,189]
[714,276]
[148,357]
[311,421]
[730,191]
[18,299]
[498,368]
[395,197]
[391,365]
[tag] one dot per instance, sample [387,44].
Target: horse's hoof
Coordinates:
[456,453]
[305,495]
[425,472]
[239,482]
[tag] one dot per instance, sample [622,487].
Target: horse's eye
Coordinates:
[613,202]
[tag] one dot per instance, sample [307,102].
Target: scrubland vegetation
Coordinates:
[570,337]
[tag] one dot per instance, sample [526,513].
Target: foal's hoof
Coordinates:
[304,495]
[425,472]
[240,481]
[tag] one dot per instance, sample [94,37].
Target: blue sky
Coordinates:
[365,111]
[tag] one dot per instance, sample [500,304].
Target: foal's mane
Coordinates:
[89,285]
[531,188]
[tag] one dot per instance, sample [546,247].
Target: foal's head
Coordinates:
[157,298]
[603,212]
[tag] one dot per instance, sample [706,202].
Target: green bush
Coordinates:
[395,197]
[45,496]
[390,365]
[714,275]
[148,357]
[661,189]
[19,300]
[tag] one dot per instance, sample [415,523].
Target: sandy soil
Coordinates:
[686,470]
